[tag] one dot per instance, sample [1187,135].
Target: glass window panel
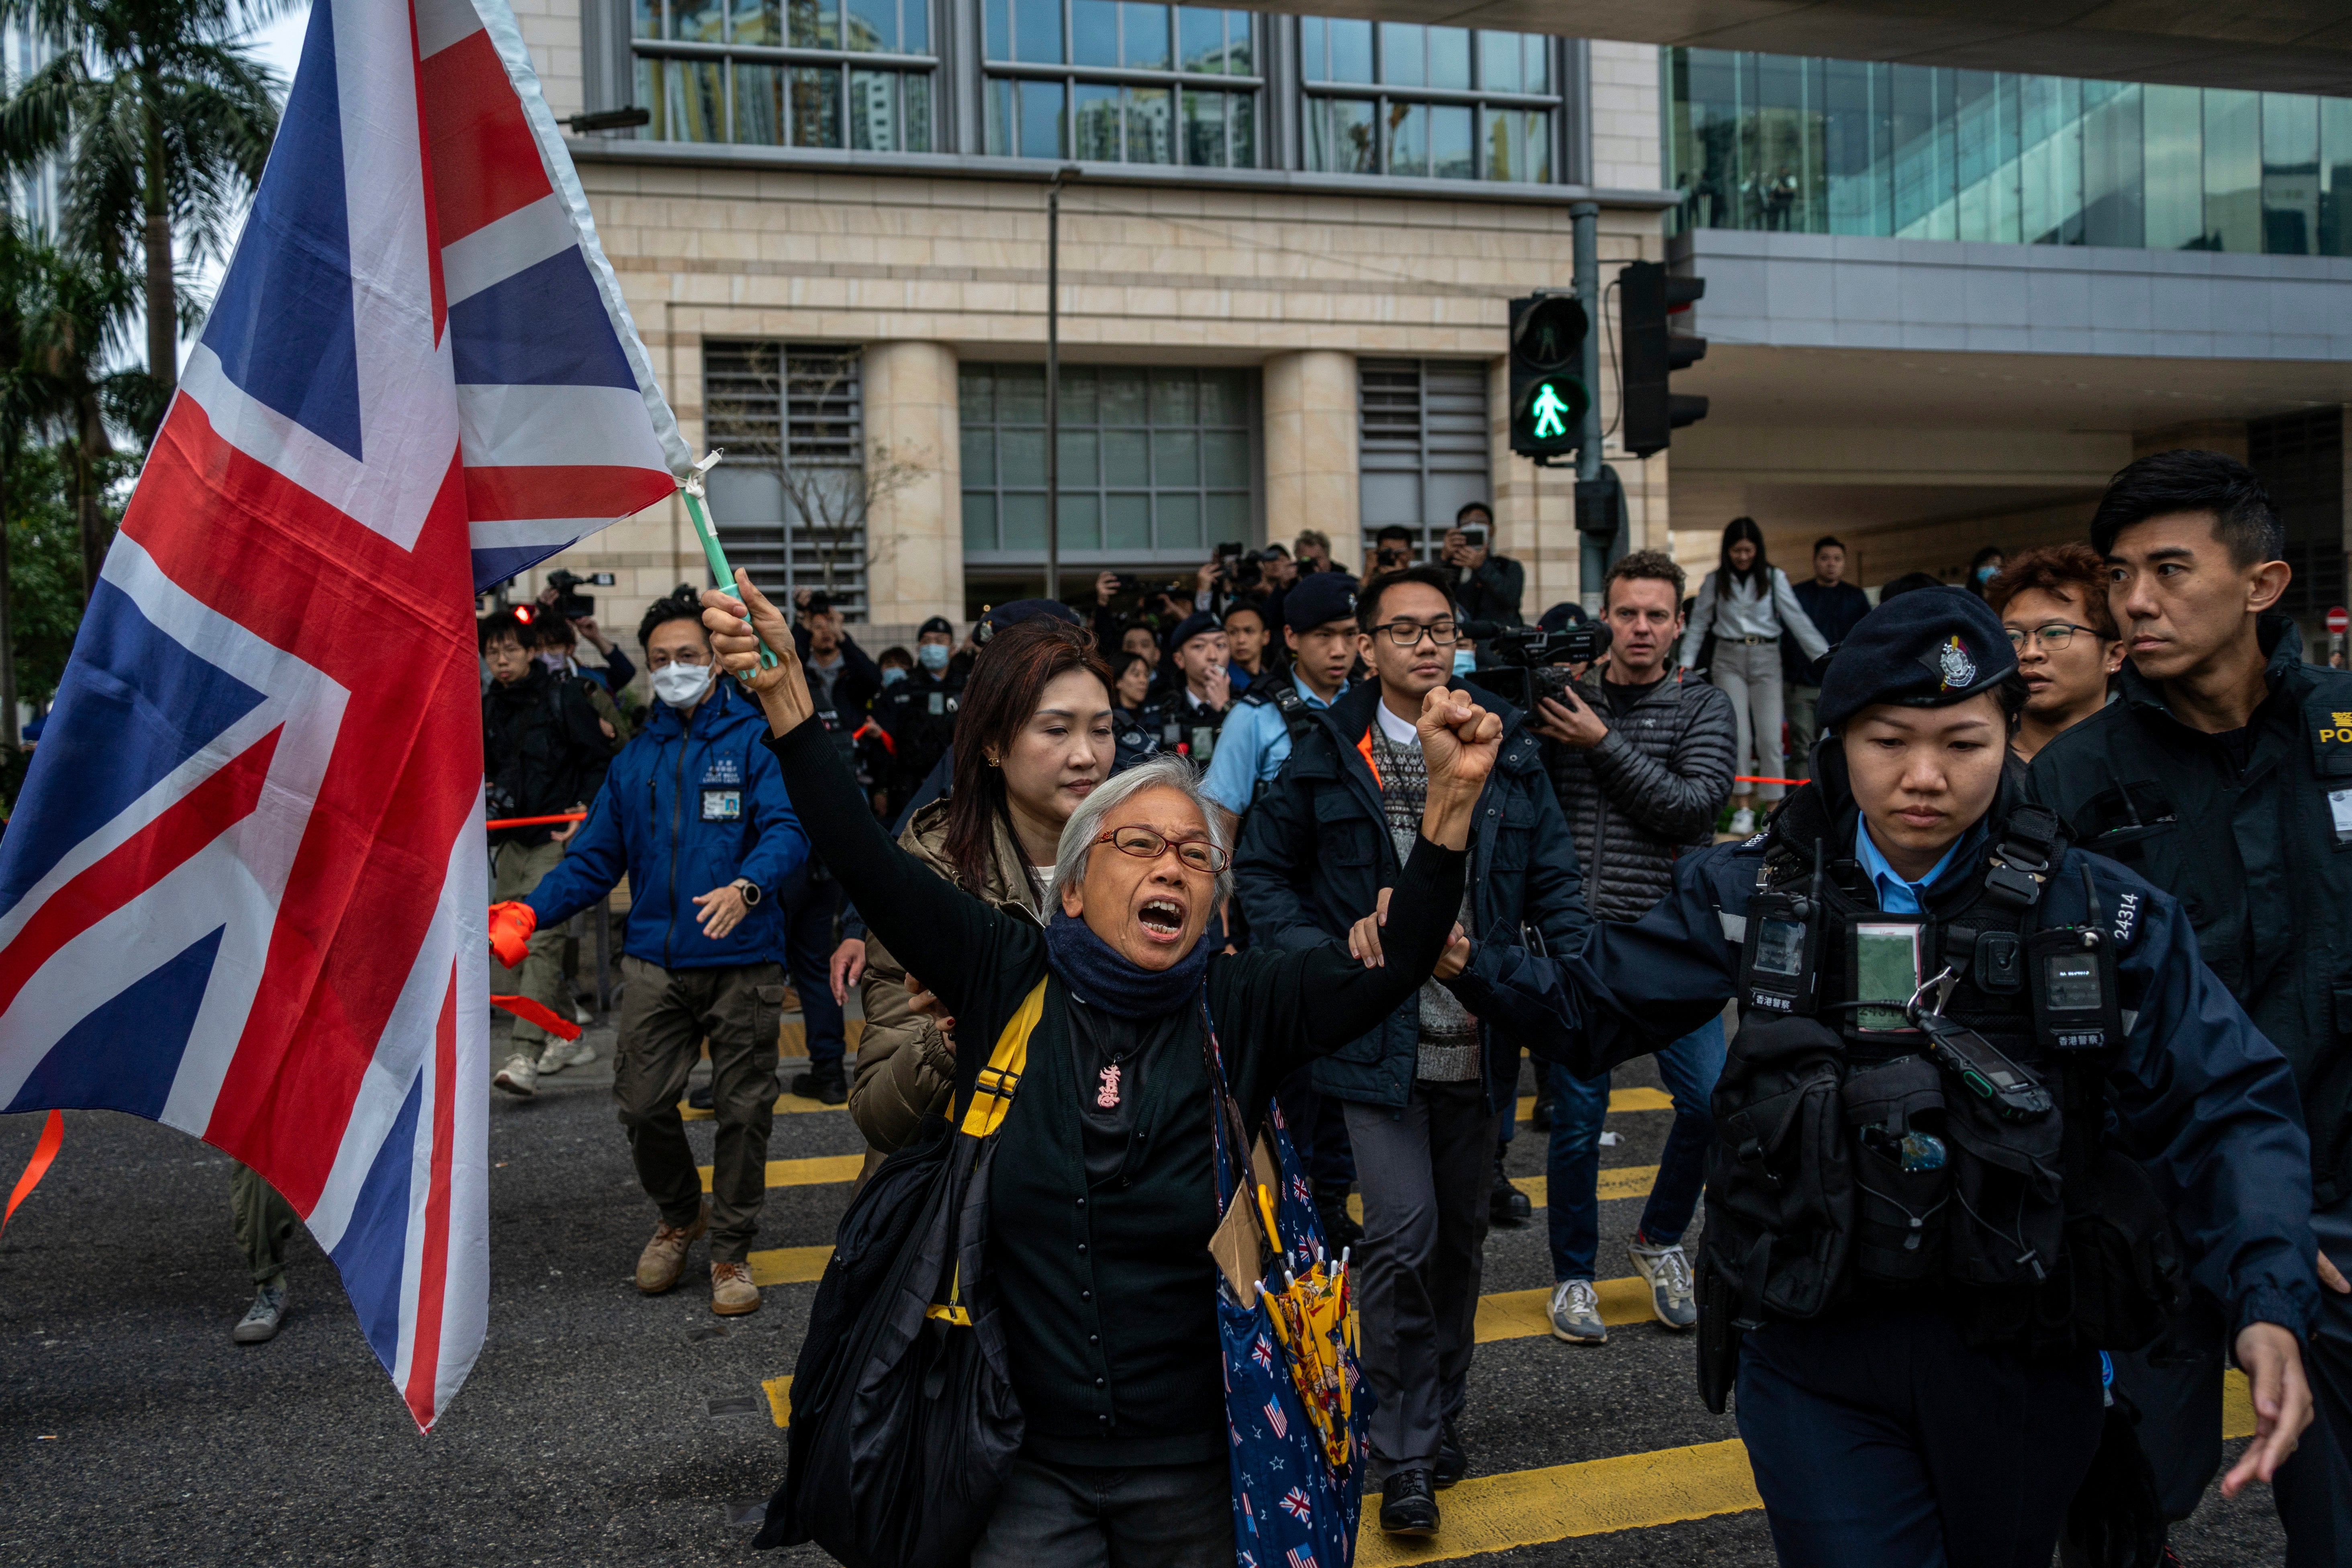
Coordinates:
[2335,164]
[1123,394]
[1175,456]
[915,26]
[1081,520]
[1021,393]
[698,101]
[757,22]
[978,521]
[1041,120]
[979,451]
[653,83]
[645,18]
[699,21]
[1021,451]
[1782,147]
[1340,138]
[1127,522]
[996,106]
[1923,175]
[1405,58]
[2113,213]
[1199,39]
[1144,37]
[1224,398]
[2050,161]
[1081,454]
[1037,31]
[1022,522]
[1449,58]
[1976,153]
[1126,458]
[1079,401]
[1408,149]
[1180,523]
[1224,457]
[816,105]
[874,111]
[1241,129]
[1505,146]
[1151,125]
[1240,36]
[1313,48]
[1096,120]
[1498,63]
[1536,125]
[1452,143]
[1175,399]
[976,397]
[2173,165]
[760,105]
[872,25]
[2233,170]
[813,24]
[915,88]
[1204,129]
[1351,50]
[996,28]
[2289,173]
[1706,140]
[1228,517]
[1535,55]
[1094,32]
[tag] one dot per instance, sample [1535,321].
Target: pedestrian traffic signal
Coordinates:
[1649,351]
[1548,397]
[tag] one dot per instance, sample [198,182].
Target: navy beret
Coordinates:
[1200,623]
[1018,610]
[1927,648]
[1317,598]
[1562,615]
[937,624]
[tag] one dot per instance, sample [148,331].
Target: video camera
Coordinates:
[1532,658]
[1241,569]
[572,605]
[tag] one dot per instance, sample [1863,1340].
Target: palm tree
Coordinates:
[73,317]
[161,121]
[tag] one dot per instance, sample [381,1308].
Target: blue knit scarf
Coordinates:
[1096,974]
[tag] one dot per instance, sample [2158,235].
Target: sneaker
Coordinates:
[519,1077]
[259,1324]
[581,1015]
[1408,1504]
[557,1055]
[1505,1204]
[1669,1271]
[1576,1313]
[1743,821]
[1453,1460]
[825,1082]
[733,1294]
[664,1258]
[701,1097]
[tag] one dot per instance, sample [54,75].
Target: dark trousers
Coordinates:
[809,905]
[2176,1386]
[1423,1170]
[265,1223]
[1091,1516]
[1572,1161]
[2314,1488]
[1883,1438]
[665,1015]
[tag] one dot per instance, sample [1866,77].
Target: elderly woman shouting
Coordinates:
[1102,1195]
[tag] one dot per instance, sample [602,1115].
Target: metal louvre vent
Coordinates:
[790,499]
[1425,443]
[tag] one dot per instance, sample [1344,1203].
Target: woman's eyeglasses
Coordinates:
[1198,853]
[2050,638]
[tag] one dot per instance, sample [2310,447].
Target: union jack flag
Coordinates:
[1262,1353]
[1294,1503]
[244,889]
[1301,1191]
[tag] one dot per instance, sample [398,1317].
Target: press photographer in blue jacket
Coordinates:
[694,811]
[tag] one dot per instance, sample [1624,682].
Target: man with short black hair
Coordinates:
[1835,606]
[2224,777]
[1197,704]
[919,712]
[1487,586]
[1394,548]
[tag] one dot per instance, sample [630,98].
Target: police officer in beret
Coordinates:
[1977,1068]
[1199,690]
[919,712]
[1319,631]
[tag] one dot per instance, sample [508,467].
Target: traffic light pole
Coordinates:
[1584,220]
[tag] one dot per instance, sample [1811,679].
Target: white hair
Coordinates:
[1085,824]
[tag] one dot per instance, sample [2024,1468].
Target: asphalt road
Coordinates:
[600,1425]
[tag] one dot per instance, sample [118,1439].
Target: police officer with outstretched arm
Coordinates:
[1923,1225]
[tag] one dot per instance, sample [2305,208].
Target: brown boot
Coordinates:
[733,1294]
[664,1258]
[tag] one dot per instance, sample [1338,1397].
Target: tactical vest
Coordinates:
[1955,1154]
[1276,689]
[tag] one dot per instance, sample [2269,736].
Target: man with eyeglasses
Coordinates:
[695,801]
[2052,602]
[1423,1093]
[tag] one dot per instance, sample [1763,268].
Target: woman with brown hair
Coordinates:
[1032,741]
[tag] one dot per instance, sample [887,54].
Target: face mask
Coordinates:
[552,660]
[1987,573]
[934,656]
[892,676]
[680,684]
[1465,661]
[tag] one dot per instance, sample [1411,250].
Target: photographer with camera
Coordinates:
[1490,586]
[569,607]
[1641,761]
[1393,549]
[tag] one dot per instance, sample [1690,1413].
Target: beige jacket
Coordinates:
[906,1069]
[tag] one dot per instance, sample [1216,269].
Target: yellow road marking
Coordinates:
[1522,1314]
[1619,1100]
[2237,1406]
[1618,1182]
[789,1265]
[779,1391]
[791,1039]
[805,1173]
[785,1103]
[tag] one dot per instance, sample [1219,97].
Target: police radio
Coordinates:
[2072,973]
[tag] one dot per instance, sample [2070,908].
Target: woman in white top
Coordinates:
[1747,602]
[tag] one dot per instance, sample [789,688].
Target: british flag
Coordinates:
[1296,1504]
[1263,1353]
[244,889]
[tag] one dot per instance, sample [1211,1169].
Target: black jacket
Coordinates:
[920,712]
[1316,853]
[1109,1292]
[2262,862]
[1649,791]
[1835,612]
[542,750]
[1492,590]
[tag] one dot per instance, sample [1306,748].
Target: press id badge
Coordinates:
[722,805]
[1885,957]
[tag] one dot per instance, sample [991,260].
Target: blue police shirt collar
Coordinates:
[1896,896]
[1308,693]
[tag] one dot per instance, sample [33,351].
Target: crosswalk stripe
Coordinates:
[1522,1314]
[786,1104]
[789,1265]
[779,1391]
[805,1173]
[1618,1182]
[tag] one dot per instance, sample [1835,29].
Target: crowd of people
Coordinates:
[1273,834]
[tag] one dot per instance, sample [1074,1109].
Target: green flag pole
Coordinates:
[693,491]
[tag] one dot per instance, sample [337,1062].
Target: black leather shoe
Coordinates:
[828,1084]
[1339,1230]
[1505,1203]
[1452,1462]
[1407,1506]
[700,1097]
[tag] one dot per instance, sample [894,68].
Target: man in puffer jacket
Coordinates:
[1643,763]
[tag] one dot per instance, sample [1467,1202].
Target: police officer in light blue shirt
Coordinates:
[1319,628]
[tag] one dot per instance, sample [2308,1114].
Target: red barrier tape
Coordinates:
[531,1012]
[1752,778]
[536,821]
[44,1153]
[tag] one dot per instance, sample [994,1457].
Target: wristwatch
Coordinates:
[750,890]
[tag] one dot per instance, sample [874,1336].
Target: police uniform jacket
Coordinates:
[1317,852]
[2260,862]
[2202,1099]
[689,805]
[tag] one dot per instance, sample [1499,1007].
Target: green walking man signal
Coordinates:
[1548,397]
[1551,413]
